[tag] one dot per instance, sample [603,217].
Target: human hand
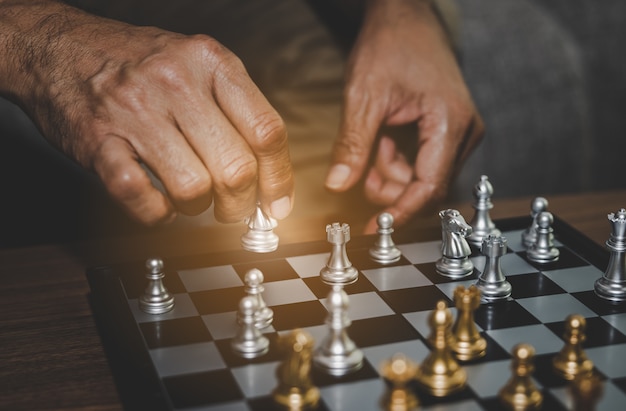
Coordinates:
[402,70]
[117,98]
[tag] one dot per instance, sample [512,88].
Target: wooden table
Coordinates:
[50,352]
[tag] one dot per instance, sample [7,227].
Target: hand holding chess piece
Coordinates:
[440,374]
[260,237]
[295,390]
[467,343]
[399,371]
[520,392]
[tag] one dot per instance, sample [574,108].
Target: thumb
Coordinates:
[359,124]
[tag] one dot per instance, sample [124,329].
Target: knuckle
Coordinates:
[351,143]
[126,185]
[239,174]
[269,131]
[191,188]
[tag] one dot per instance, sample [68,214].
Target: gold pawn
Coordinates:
[399,371]
[586,388]
[295,390]
[467,343]
[572,360]
[440,374]
[520,392]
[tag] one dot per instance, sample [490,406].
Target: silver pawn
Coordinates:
[338,269]
[384,250]
[492,282]
[529,236]
[248,342]
[260,237]
[254,287]
[455,250]
[481,223]
[612,285]
[155,299]
[338,355]
[543,250]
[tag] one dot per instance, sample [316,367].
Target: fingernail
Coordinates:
[337,176]
[281,208]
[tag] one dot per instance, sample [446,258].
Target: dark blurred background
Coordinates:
[549,78]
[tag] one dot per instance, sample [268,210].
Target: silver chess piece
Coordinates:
[254,287]
[338,269]
[455,262]
[155,299]
[529,236]
[543,250]
[481,223]
[492,282]
[612,285]
[384,250]
[249,342]
[260,237]
[338,354]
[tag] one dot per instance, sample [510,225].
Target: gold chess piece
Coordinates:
[572,360]
[399,371]
[467,343]
[295,389]
[586,388]
[440,373]
[520,393]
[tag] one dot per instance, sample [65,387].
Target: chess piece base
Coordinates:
[610,291]
[156,305]
[543,257]
[454,267]
[261,242]
[441,385]
[339,365]
[250,349]
[385,255]
[469,350]
[494,292]
[344,277]
[295,399]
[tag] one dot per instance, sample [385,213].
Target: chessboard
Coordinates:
[182,360]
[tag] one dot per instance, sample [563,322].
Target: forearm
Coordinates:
[40,42]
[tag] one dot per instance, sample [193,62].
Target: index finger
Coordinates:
[263,129]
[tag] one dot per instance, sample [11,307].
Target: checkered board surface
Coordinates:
[182,360]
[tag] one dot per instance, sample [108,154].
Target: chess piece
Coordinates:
[338,355]
[155,299]
[455,250]
[529,236]
[543,250]
[260,237]
[254,287]
[295,390]
[384,250]
[492,282]
[338,269]
[467,343]
[440,374]
[481,223]
[248,342]
[572,360]
[586,388]
[520,392]
[612,285]
[399,372]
